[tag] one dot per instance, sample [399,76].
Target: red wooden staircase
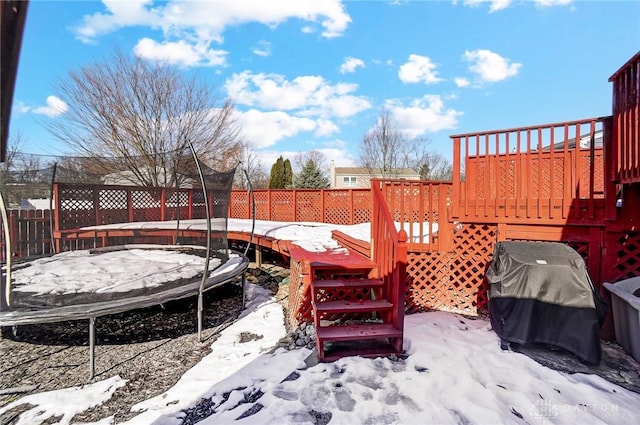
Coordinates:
[357,296]
[353,311]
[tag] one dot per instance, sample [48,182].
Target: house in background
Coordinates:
[360,177]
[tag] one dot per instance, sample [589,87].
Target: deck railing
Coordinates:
[422,210]
[389,252]
[626,122]
[547,174]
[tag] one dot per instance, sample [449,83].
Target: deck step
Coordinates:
[355,306]
[357,332]
[347,283]
[371,350]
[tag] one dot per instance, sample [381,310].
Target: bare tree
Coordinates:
[434,166]
[430,165]
[131,115]
[384,147]
[319,159]
[14,144]
[253,166]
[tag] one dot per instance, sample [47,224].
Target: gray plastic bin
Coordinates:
[626,314]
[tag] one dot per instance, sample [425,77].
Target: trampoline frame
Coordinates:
[91,311]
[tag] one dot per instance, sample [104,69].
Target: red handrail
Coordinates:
[389,253]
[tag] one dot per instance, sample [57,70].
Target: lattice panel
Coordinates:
[282,208]
[598,175]
[475,238]
[559,178]
[481,172]
[240,205]
[113,206]
[198,205]
[427,273]
[308,205]
[300,309]
[624,260]
[361,206]
[76,208]
[337,205]
[146,204]
[177,205]
[582,248]
[468,291]
[262,205]
[507,178]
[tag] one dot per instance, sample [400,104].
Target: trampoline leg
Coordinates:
[200,317]
[92,347]
[244,294]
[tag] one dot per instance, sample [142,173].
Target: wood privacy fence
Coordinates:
[335,206]
[30,233]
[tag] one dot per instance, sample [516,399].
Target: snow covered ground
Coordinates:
[454,372]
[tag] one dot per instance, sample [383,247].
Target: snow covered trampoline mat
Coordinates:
[114,279]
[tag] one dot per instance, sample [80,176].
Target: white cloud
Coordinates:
[351,64]
[266,128]
[418,69]
[201,23]
[119,14]
[494,5]
[461,82]
[338,154]
[54,107]
[424,115]
[179,53]
[325,128]
[550,3]
[309,95]
[262,49]
[490,66]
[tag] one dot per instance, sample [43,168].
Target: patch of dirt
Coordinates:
[150,348]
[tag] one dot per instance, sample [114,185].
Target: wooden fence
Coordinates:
[335,206]
[30,233]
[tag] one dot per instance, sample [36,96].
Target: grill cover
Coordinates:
[541,293]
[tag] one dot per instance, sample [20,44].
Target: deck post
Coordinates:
[200,316]
[244,293]
[92,348]
[456,178]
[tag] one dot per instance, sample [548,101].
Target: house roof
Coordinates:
[12,15]
[375,171]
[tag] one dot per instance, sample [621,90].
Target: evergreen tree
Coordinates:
[311,177]
[277,174]
[287,178]
[281,174]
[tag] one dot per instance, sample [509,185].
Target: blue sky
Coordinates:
[308,74]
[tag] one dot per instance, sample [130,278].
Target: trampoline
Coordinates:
[96,268]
